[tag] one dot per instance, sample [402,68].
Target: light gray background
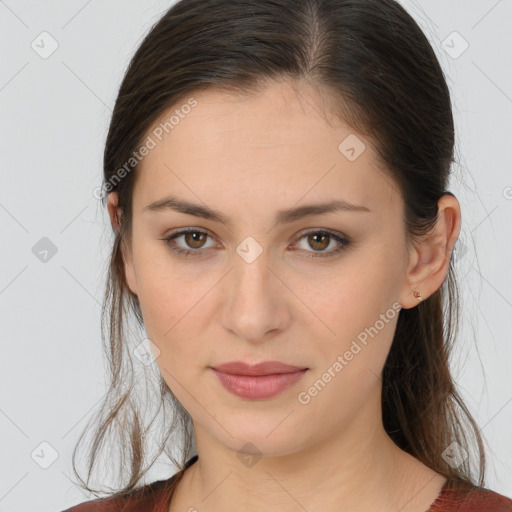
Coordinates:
[54,115]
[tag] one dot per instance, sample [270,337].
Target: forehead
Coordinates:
[277,145]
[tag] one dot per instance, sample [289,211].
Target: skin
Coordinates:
[249,157]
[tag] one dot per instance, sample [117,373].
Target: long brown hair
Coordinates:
[373,60]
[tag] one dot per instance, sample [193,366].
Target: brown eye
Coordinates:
[318,241]
[195,239]
[192,243]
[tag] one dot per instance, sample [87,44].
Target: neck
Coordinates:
[357,468]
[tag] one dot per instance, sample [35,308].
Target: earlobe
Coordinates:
[115,214]
[430,258]
[420,275]
[114,211]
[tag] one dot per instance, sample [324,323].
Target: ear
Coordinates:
[115,214]
[429,259]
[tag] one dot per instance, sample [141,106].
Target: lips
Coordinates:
[265,368]
[260,381]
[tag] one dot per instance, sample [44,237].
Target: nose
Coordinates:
[257,304]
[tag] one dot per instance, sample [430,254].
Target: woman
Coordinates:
[276,176]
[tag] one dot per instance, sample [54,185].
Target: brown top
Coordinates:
[476,499]
[156,497]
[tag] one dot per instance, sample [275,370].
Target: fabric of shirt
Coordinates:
[156,497]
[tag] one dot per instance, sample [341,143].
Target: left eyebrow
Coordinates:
[281,217]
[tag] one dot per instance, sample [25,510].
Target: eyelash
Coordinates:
[343,241]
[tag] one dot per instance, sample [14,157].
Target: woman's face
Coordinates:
[267,283]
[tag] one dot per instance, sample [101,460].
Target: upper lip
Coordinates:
[265,368]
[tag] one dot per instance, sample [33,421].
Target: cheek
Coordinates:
[175,311]
[355,317]
[165,293]
[169,320]
[351,296]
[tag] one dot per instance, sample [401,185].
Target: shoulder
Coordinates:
[485,499]
[151,497]
[476,499]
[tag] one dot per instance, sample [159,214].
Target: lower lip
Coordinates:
[258,387]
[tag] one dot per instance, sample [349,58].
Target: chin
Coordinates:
[260,440]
